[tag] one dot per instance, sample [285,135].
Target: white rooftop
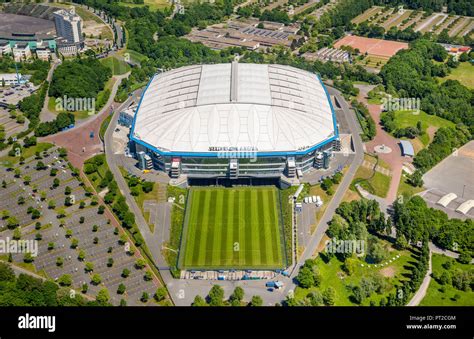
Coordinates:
[203,108]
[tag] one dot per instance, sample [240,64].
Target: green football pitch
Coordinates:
[237,228]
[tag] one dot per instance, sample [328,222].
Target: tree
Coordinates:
[358,295]
[160,294]
[305,277]
[12,222]
[121,289]
[148,276]
[82,255]
[125,272]
[59,261]
[74,243]
[103,296]
[144,297]
[6,272]
[237,296]
[464,257]
[17,234]
[89,267]
[256,301]
[216,296]
[328,296]
[140,263]
[199,301]
[147,186]
[401,242]
[51,204]
[65,280]
[28,258]
[96,279]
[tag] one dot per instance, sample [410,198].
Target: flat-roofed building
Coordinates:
[21,51]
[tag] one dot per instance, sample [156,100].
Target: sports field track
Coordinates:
[232,228]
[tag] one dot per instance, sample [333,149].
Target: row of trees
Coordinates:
[216,298]
[113,197]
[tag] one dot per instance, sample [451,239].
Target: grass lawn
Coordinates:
[435,295]
[103,95]
[26,153]
[117,66]
[80,115]
[464,73]
[406,189]
[233,228]
[372,61]
[334,276]
[372,181]
[153,4]
[134,56]
[405,119]
[104,125]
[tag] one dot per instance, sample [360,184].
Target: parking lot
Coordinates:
[13,94]
[83,230]
[454,174]
[432,196]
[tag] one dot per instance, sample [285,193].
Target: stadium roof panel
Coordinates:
[267,108]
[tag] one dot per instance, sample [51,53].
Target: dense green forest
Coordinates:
[412,73]
[414,220]
[79,78]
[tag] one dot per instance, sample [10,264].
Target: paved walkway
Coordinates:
[420,294]
[77,140]
[46,114]
[394,158]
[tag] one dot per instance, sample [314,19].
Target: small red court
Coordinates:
[375,47]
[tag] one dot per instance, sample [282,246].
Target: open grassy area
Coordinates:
[117,66]
[104,125]
[406,189]
[444,295]
[153,4]
[25,153]
[405,119]
[134,56]
[233,228]
[80,115]
[334,276]
[373,61]
[372,181]
[464,73]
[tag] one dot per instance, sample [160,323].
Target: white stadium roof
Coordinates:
[204,108]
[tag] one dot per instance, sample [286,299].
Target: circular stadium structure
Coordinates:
[234,120]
